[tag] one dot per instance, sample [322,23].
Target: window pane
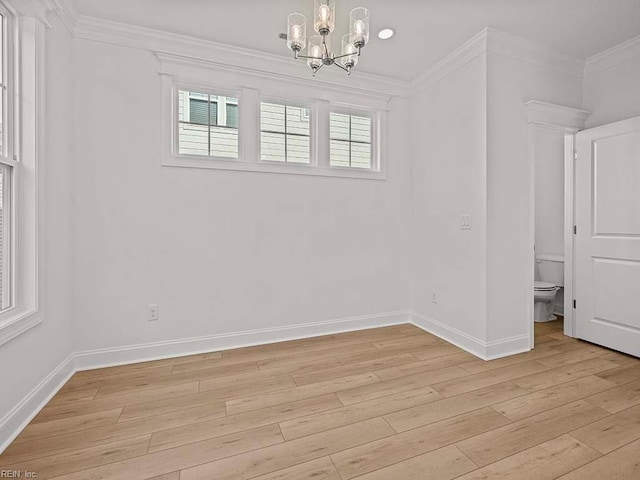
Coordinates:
[350,144]
[207,124]
[232,115]
[339,126]
[361,155]
[297,149]
[360,129]
[224,142]
[272,117]
[285,133]
[272,146]
[5,237]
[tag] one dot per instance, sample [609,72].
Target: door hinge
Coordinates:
[575,155]
[575,229]
[574,304]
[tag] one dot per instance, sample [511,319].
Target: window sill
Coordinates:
[272,167]
[17,323]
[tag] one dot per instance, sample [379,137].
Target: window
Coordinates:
[8,165]
[350,141]
[284,133]
[207,124]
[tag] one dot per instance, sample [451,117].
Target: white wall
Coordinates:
[219,251]
[511,83]
[449,175]
[549,191]
[613,94]
[29,358]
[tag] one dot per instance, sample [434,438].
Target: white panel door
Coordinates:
[607,243]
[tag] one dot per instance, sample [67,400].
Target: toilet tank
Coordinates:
[551,268]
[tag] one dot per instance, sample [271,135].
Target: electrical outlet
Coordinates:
[153,313]
[434,296]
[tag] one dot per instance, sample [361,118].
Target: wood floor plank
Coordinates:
[443,464]
[435,351]
[319,469]
[422,366]
[403,446]
[552,397]
[167,461]
[70,409]
[486,379]
[86,381]
[338,417]
[70,424]
[622,374]
[618,398]
[210,374]
[403,420]
[333,353]
[622,464]
[50,466]
[611,432]
[173,437]
[518,436]
[76,395]
[167,476]
[410,341]
[278,457]
[298,393]
[402,384]
[556,376]
[546,461]
[573,356]
[353,369]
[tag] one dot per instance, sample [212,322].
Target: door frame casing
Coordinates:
[566,121]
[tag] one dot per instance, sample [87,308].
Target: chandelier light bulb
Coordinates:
[324,21]
[297,32]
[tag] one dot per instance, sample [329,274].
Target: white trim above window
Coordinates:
[180,76]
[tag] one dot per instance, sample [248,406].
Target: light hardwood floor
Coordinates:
[385,404]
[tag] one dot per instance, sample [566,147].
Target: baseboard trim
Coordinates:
[20,416]
[475,346]
[108,357]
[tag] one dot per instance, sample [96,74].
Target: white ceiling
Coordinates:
[427,30]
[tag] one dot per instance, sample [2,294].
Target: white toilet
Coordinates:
[549,279]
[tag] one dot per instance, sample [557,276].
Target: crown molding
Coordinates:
[613,56]
[66,11]
[518,48]
[160,42]
[472,48]
[556,117]
[501,43]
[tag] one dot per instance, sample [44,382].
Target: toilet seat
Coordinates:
[544,286]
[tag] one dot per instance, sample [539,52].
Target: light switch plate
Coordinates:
[465,222]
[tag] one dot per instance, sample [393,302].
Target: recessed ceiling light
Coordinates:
[386,33]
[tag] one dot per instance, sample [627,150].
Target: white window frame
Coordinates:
[375,137]
[28,35]
[291,103]
[249,98]
[175,100]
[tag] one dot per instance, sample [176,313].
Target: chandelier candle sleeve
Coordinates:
[297,28]
[360,26]
[349,51]
[315,52]
[325,16]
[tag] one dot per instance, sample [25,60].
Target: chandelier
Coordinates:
[319,52]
